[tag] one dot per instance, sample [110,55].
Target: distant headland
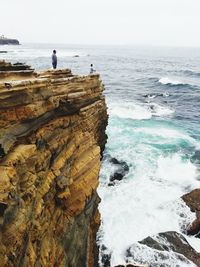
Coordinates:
[8,41]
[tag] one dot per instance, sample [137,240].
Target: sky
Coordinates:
[131,22]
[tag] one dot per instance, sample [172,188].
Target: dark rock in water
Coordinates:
[152,243]
[150,95]
[105,256]
[131,265]
[160,248]
[151,107]
[121,170]
[116,176]
[76,56]
[114,161]
[192,200]
[156,95]
[111,184]
[3,52]
[196,157]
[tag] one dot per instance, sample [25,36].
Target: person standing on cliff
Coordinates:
[54,59]
[92,70]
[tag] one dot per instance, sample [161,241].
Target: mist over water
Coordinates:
[153,98]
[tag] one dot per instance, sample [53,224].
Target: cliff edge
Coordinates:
[52,133]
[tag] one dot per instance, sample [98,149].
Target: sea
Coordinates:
[153,99]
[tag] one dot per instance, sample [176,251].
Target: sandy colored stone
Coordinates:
[52,132]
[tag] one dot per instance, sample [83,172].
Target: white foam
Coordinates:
[166,94]
[144,254]
[130,111]
[138,111]
[146,202]
[194,242]
[161,111]
[166,81]
[170,135]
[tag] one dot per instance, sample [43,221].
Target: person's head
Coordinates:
[91,65]
[54,51]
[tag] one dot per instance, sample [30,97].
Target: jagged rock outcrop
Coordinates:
[17,71]
[192,199]
[121,169]
[52,133]
[165,249]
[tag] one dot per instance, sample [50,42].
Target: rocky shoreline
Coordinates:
[160,246]
[52,136]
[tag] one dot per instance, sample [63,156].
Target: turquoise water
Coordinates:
[153,97]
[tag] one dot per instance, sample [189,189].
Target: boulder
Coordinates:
[164,249]
[121,170]
[192,200]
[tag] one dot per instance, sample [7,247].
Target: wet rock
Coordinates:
[160,248]
[196,157]
[166,94]
[192,200]
[122,169]
[105,256]
[131,265]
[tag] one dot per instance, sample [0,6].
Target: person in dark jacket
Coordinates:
[54,59]
[92,70]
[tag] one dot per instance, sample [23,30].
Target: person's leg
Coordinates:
[54,65]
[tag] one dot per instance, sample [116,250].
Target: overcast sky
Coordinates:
[148,22]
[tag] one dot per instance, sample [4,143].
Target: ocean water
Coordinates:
[153,98]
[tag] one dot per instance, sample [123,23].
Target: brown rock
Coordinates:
[52,134]
[192,200]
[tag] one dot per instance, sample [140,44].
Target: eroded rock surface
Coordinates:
[165,249]
[15,71]
[52,133]
[192,199]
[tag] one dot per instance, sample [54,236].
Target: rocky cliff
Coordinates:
[52,133]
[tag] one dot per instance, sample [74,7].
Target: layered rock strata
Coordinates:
[52,134]
[17,71]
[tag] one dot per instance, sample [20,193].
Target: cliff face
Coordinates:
[52,133]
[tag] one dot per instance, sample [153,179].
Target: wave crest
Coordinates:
[168,81]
